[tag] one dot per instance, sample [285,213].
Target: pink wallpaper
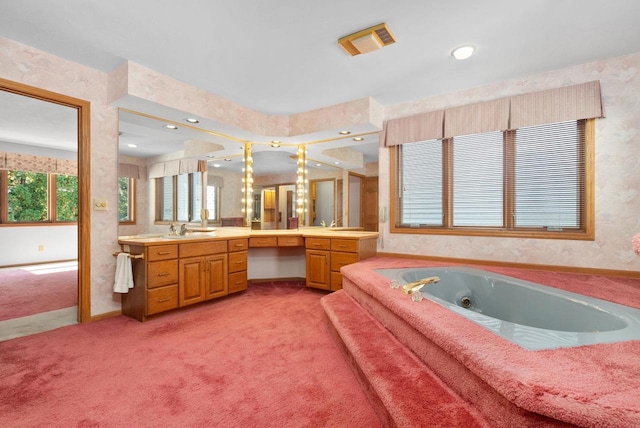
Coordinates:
[617,148]
[617,175]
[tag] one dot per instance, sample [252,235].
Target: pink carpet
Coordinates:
[405,392]
[24,293]
[591,386]
[263,358]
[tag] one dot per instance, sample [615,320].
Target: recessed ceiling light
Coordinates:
[358,138]
[463,52]
[227,159]
[345,132]
[216,165]
[318,164]
[133,146]
[336,163]
[192,120]
[172,127]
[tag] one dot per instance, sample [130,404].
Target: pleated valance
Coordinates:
[176,167]
[582,101]
[38,164]
[557,105]
[419,127]
[66,167]
[477,118]
[129,170]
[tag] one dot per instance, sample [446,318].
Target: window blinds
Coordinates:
[549,164]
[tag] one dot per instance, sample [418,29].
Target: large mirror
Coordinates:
[44,276]
[147,140]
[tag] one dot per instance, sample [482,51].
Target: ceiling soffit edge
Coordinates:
[138,88]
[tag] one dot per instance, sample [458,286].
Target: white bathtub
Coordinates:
[531,315]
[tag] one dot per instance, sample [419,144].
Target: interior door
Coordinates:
[370,204]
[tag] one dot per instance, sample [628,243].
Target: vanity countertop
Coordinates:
[244,232]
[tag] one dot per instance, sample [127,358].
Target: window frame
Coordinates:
[131,202]
[587,232]
[51,203]
[159,197]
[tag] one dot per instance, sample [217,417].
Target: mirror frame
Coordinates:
[84,183]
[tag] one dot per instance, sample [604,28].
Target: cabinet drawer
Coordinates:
[162,299]
[196,249]
[336,281]
[290,241]
[162,273]
[237,281]
[342,259]
[162,252]
[345,245]
[318,243]
[237,261]
[238,244]
[269,241]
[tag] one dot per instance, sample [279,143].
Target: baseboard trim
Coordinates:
[106,315]
[553,268]
[38,263]
[290,279]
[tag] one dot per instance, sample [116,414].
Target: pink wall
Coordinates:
[617,187]
[617,160]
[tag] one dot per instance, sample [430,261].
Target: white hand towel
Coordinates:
[124,274]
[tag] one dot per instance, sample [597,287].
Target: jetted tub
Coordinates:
[531,315]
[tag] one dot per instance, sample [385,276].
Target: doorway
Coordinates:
[82,109]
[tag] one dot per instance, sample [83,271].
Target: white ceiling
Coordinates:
[282,56]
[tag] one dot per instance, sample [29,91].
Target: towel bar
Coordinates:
[131,256]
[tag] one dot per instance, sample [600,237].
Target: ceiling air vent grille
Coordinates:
[367,40]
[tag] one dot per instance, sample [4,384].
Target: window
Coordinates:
[213,203]
[529,182]
[179,198]
[126,200]
[33,197]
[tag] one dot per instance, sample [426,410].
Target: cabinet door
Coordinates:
[216,284]
[191,285]
[318,273]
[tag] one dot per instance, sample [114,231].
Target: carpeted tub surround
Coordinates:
[591,386]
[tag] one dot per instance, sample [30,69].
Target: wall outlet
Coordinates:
[41,247]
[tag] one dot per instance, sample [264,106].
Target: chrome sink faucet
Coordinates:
[172,230]
[183,229]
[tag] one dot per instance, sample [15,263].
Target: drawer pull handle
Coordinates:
[163,300]
[164,274]
[239,245]
[238,282]
[239,262]
[163,253]
[342,246]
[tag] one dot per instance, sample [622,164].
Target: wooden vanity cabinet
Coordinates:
[156,281]
[325,257]
[203,271]
[318,258]
[238,264]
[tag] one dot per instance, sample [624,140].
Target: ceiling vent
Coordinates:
[367,40]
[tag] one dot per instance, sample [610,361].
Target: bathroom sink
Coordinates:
[191,235]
